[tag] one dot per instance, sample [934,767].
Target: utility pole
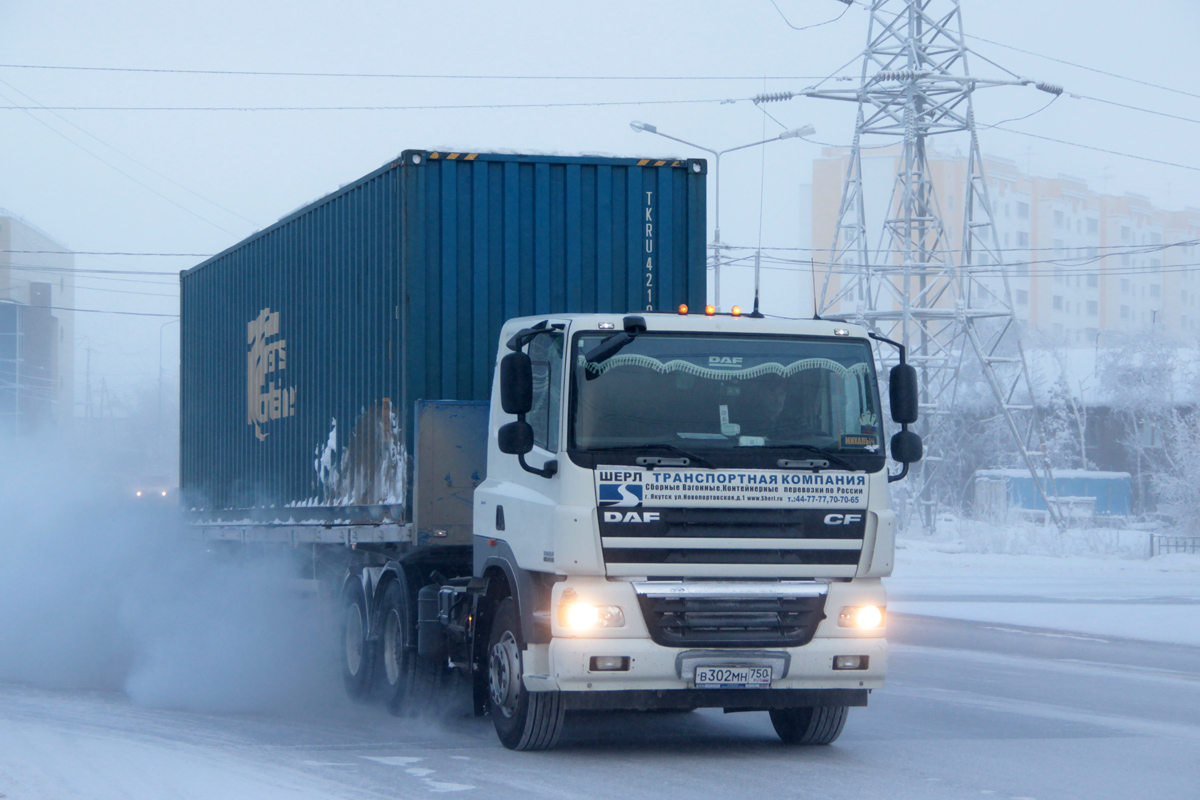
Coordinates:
[87,385]
[948,306]
[716,246]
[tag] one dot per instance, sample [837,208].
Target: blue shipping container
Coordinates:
[1111,490]
[305,347]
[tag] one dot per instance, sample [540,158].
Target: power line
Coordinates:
[1015,269]
[109,164]
[412,76]
[106,311]
[1097,149]
[1133,108]
[106,253]
[131,158]
[464,107]
[173,296]
[1085,67]
[87,270]
[814,25]
[1116,249]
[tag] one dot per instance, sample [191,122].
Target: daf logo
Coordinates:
[632,516]
[842,519]
[724,361]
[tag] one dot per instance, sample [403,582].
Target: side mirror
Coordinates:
[903,394]
[907,447]
[515,438]
[516,386]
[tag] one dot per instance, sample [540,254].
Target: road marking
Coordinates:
[1081,637]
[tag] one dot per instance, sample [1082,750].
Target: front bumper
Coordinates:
[660,669]
[662,676]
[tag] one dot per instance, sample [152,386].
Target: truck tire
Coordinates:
[358,652]
[410,684]
[524,720]
[820,725]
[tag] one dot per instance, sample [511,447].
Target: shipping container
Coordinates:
[305,348]
[1107,493]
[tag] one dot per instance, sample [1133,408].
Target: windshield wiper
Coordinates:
[670,448]
[833,460]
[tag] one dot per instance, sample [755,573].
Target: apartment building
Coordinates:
[1079,262]
[37,329]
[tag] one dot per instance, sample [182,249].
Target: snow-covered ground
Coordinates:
[1093,583]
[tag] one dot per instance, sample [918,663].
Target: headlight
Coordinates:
[861,617]
[577,615]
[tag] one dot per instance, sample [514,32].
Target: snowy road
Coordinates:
[971,710]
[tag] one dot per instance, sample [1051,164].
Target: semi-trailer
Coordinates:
[483,399]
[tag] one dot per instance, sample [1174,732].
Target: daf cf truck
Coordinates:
[614,498]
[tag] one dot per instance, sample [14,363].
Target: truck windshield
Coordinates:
[705,394]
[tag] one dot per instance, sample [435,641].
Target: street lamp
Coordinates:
[807,130]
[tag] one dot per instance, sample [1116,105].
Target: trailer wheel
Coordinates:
[410,683]
[358,653]
[820,725]
[524,720]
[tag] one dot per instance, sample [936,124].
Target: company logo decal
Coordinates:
[619,488]
[672,487]
[621,495]
[267,398]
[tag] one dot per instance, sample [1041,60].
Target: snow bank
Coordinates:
[1030,538]
[1155,599]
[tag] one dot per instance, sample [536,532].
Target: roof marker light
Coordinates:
[683,309]
[841,332]
[736,311]
[710,310]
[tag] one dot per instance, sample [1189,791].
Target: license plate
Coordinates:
[733,677]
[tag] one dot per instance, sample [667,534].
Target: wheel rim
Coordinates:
[354,639]
[391,647]
[504,674]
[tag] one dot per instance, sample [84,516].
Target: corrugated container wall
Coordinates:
[305,347]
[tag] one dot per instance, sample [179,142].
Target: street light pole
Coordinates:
[807,130]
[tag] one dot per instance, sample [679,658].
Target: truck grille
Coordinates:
[701,542]
[695,620]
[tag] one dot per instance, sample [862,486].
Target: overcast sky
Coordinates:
[198,181]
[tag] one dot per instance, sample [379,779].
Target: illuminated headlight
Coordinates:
[861,617]
[580,616]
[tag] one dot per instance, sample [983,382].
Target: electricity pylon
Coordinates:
[914,286]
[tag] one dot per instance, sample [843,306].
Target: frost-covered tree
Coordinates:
[1152,388]
[1064,426]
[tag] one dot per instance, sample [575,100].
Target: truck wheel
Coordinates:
[410,683]
[524,720]
[358,654]
[820,725]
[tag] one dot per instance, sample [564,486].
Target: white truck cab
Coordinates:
[686,510]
